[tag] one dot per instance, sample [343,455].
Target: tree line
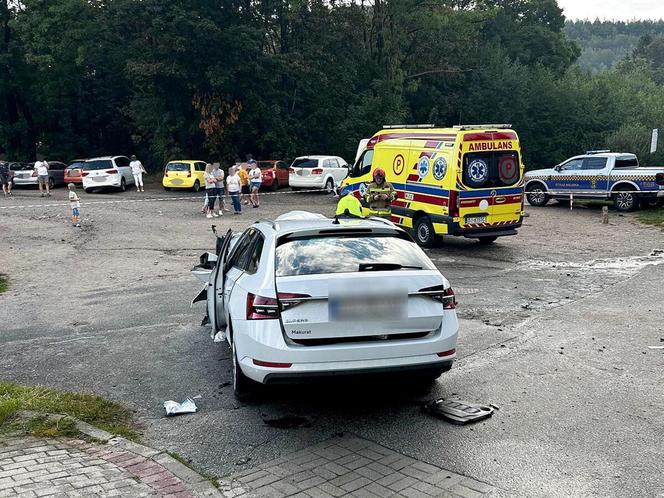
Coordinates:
[217,79]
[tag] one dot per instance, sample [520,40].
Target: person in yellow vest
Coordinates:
[380,194]
[349,205]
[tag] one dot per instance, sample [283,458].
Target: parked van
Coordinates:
[465,181]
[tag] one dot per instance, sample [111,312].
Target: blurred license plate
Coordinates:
[391,306]
[475,219]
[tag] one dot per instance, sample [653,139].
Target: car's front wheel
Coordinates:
[425,235]
[241,383]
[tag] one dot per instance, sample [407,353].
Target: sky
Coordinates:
[623,10]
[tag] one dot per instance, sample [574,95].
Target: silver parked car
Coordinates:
[27,176]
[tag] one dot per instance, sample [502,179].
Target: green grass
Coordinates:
[3,284]
[107,415]
[205,475]
[652,217]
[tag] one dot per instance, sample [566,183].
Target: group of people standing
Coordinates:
[243,183]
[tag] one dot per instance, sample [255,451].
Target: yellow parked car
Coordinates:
[184,174]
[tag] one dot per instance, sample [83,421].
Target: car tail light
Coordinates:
[271,364]
[317,171]
[261,308]
[291,171]
[659,178]
[454,204]
[166,173]
[288,300]
[442,294]
[449,352]
[111,171]
[67,172]
[84,173]
[189,174]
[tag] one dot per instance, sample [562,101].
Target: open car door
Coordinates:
[215,292]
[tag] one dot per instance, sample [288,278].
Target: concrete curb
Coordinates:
[196,483]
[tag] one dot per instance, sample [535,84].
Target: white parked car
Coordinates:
[324,172]
[305,296]
[109,171]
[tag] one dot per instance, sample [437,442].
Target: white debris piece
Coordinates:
[175,408]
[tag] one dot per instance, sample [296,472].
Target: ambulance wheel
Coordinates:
[536,196]
[625,201]
[485,241]
[424,232]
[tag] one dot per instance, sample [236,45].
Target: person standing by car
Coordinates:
[210,190]
[244,182]
[137,170]
[75,204]
[234,188]
[6,179]
[218,174]
[255,182]
[41,167]
[380,194]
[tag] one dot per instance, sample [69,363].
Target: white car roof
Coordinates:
[102,157]
[316,157]
[605,154]
[304,221]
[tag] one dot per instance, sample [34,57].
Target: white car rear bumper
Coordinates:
[264,341]
[98,182]
[306,181]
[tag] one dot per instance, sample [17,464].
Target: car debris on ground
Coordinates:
[175,408]
[458,412]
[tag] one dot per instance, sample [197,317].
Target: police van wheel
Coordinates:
[424,232]
[536,196]
[625,201]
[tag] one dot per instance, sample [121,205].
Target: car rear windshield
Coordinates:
[345,254]
[98,164]
[76,165]
[305,163]
[491,169]
[178,167]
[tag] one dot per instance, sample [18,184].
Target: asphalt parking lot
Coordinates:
[556,324]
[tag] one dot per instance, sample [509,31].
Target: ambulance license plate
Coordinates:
[473,220]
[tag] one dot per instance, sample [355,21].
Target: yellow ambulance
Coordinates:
[465,181]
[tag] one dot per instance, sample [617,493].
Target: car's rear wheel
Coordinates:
[487,240]
[275,185]
[51,183]
[167,189]
[624,200]
[196,187]
[536,196]
[123,185]
[329,186]
[424,232]
[88,190]
[242,385]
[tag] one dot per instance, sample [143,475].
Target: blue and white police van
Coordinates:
[598,175]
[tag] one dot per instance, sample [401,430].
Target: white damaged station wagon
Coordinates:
[304,296]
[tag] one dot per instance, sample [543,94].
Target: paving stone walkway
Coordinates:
[32,467]
[350,466]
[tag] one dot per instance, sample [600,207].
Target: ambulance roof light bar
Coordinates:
[483,127]
[591,152]
[415,126]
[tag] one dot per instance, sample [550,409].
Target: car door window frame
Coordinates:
[564,167]
[240,250]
